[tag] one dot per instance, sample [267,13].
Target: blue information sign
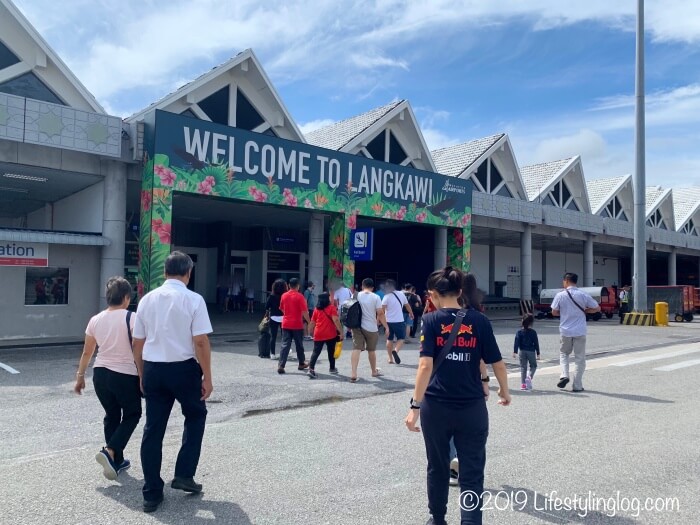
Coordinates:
[362,244]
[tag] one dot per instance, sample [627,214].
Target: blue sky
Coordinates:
[557,76]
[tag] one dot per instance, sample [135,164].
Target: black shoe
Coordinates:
[563,381]
[436,521]
[151,505]
[396,357]
[186,484]
[280,370]
[578,389]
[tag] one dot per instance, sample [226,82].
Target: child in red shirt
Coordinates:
[326,327]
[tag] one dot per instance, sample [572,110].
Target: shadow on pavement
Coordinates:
[588,509]
[178,507]
[627,397]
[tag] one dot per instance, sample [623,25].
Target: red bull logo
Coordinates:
[463,329]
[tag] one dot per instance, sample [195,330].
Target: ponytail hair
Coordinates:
[446,282]
[528,321]
[471,295]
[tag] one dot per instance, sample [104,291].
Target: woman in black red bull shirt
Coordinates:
[451,403]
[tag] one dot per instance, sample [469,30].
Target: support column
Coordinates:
[113,223]
[672,274]
[440,258]
[526,263]
[492,269]
[316,241]
[588,261]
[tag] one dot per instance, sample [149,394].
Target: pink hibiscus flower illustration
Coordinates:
[352,221]
[308,204]
[210,180]
[422,216]
[204,188]
[459,237]
[167,176]
[164,234]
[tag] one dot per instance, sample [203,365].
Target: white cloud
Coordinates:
[366,61]
[308,127]
[436,139]
[586,143]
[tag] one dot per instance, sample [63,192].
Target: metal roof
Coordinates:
[537,176]
[654,194]
[686,202]
[337,135]
[455,160]
[53,237]
[602,191]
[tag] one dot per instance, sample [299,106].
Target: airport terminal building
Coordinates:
[219,169]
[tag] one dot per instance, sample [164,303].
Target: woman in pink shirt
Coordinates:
[114,375]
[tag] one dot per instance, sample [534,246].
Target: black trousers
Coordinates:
[416,324]
[624,309]
[120,396]
[287,337]
[469,426]
[274,328]
[163,383]
[318,347]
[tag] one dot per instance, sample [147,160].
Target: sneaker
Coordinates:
[123,466]
[563,381]
[308,338]
[274,357]
[109,470]
[454,478]
[333,371]
[523,387]
[528,382]
[396,357]
[312,374]
[454,465]
[436,521]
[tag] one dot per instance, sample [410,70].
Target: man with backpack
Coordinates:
[362,316]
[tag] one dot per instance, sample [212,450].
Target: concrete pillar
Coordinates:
[48,216]
[492,269]
[526,263]
[113,223]
[316,236]
[588,261]
[672,274]
[440,257]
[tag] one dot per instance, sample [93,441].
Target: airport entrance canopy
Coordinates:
[193,156]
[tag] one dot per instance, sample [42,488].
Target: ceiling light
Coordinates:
[16,190]
[25,177]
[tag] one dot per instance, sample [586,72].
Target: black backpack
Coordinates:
[351,313]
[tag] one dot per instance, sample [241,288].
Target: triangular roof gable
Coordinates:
[38,58]
[658,198]
[248,74]
[602,191]
[539,180]
[357,132]
[462,160]
[686,206]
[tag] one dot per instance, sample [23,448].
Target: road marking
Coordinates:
[9,368]
[665,355]
[676,366]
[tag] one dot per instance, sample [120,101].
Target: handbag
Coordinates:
[264,325]
[459,317]
[338,349]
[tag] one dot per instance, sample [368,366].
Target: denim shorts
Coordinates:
[397,331]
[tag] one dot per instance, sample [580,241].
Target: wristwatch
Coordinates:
[415,405]
[485,379]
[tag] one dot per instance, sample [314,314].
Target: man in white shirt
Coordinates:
[341,295]
[367,336]
[173,356]
[571,305]
[394,304]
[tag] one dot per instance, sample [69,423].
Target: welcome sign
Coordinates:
[203,157]
[24,254]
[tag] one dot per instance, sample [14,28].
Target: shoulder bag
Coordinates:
[574,301]
[442,356]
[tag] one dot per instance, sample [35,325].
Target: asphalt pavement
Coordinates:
[287,450]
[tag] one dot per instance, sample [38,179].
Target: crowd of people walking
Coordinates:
[162,353]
